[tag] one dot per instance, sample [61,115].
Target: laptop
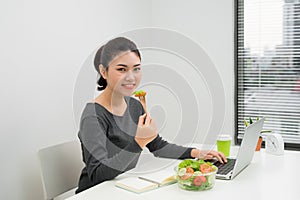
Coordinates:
[233,167]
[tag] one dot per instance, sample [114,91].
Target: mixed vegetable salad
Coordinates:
[196,174]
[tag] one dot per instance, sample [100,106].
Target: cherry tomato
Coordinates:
[205,168]
[189,170]
[189,173]
[198,180]
[203,179]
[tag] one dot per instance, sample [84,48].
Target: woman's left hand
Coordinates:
[206,155]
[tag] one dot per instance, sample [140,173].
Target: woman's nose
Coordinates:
[129,76]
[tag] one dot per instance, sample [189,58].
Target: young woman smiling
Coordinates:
[114,127]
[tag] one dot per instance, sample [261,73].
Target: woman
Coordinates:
[114,127]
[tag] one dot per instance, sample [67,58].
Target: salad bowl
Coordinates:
[196,175]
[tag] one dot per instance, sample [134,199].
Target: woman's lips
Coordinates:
[129,86]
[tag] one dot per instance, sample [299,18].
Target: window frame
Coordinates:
[287,146]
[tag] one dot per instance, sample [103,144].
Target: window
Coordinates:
[267,65]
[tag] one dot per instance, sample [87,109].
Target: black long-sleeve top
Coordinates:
[108,145]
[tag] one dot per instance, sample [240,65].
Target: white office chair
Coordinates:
[61,166]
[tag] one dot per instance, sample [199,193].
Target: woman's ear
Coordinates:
[102,71]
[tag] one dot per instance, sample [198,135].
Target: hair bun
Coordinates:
[97,59]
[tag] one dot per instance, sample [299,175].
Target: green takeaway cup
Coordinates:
[223,144]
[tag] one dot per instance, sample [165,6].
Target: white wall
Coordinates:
[211,25]
[44,43]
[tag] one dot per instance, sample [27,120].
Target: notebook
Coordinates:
[245,154]
[147,182]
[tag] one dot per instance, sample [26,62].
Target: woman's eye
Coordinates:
[121,69]
[137,69]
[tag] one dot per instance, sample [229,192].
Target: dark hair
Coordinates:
[108,52]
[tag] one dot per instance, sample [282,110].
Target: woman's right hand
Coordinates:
[146,130]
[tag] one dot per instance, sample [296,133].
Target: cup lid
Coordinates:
[224,137]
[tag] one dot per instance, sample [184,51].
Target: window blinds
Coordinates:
[268,65]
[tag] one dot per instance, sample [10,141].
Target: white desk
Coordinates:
[267,177]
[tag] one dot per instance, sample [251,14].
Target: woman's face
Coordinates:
[124,74]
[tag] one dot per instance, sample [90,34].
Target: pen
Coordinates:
[145,179]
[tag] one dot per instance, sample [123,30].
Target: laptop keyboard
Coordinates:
[225,168]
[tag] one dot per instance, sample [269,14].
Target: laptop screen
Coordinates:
[248,146]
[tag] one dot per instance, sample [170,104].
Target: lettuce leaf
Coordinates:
[195,164]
